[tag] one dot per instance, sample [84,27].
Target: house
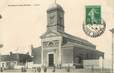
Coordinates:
[14,60]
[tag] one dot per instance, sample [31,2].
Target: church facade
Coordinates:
[60,48]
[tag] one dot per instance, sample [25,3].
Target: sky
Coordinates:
[22,26]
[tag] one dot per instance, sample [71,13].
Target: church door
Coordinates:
[51,60]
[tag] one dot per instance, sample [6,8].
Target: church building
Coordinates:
[60,48]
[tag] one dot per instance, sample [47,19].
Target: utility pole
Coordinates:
[0,16]
[1,45]
[112,30]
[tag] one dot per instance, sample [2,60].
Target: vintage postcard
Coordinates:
[47,36]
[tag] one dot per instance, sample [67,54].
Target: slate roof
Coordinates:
[70,44]
[75,45]
[77,39]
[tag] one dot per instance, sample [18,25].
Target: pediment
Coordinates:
[50,34]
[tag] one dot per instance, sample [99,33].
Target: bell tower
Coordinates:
[55,18]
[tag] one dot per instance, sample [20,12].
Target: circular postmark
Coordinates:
[94,30]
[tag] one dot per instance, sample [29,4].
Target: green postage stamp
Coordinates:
[94,25]
[93,15]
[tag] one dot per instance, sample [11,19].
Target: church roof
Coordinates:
[77,39]
[54,7]
[74,45]
[71,44]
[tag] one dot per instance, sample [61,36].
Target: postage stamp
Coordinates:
[94,25]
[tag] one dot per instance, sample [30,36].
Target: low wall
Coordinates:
[60,71]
